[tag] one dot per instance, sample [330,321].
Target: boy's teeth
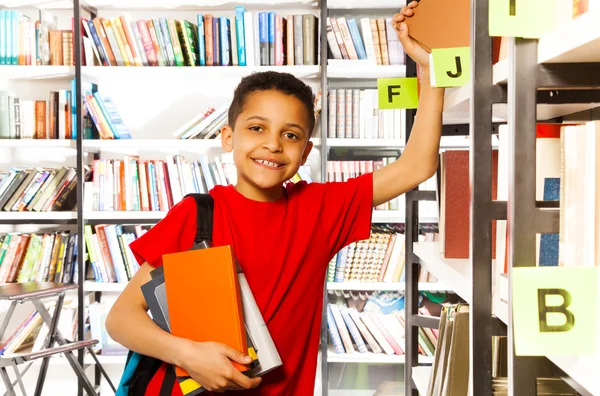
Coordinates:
[268,163]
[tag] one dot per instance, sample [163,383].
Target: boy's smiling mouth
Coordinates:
[268,163]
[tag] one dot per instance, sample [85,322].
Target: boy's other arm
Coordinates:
[419,160]
[209,363]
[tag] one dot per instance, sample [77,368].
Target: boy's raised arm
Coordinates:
[419,159]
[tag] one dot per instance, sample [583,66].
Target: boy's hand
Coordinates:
[209,363]
[411,47]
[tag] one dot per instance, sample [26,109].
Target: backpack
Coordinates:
[140,370]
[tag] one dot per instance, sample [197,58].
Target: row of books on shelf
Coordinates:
[378,44]
[378,259]
[374,324]
[343,170]
[39,189]
[54,118]
[52,256]
[133,184]
[250,38]
[32,333]
[26,41]
[354,113]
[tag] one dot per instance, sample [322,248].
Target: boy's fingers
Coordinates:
[236,355]
[413,4]
[245,382]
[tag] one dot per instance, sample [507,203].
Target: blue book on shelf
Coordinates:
[113,117]
[73,109]
[98,44]
[225,41]
[15,37]
[263,37]
[356,39]
[3,37]
[201,42]
[9,41]
[334,333]
[272,25]
[241,39]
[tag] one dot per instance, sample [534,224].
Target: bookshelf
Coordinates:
[384,286]
[471,279]
[370,358]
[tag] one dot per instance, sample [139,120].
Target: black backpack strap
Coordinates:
[204,217]
[166,389]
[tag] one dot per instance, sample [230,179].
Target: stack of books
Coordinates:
[210,274]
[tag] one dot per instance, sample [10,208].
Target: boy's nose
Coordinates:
[272,143]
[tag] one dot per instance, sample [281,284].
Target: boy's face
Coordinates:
[269,142]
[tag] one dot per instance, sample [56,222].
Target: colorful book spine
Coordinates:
[241,37]
[201,42]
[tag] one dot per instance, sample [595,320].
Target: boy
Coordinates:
[282,237]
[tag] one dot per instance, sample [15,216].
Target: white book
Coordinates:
[367,36]
[364,331]
[249,38]
[343,330]
[268,357]
[387,348]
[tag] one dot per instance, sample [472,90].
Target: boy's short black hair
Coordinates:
[285,83]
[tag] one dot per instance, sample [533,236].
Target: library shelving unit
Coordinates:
[349,74]
[540,80]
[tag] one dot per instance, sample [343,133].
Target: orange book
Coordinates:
[204,298]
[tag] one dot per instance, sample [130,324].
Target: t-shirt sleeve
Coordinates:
[346,210]
[175,233]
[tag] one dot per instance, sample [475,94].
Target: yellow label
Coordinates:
[521,18]
[554,310]
[450,67]
[397,93]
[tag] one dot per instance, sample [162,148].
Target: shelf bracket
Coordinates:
[498,210]
[572,75]
[429,322]
[547,221]
[565,96]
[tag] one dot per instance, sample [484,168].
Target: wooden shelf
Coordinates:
[362,69]
[15,72]
[38,143]
[358,4]
[24,217]
[190,75]
[160,5]
[370,358]
[365,143]
[577,40]
[91,286]
[420,376]
[456,273]
[383,286]
[152,144]
[119,216]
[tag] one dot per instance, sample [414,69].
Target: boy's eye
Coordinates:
[291,135]
[256,128]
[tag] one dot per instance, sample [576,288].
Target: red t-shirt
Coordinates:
[284,248]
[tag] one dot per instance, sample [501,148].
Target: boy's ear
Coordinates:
[307,151]
[227,138]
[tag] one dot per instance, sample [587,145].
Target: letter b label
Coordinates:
[554,310]
[547,311]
